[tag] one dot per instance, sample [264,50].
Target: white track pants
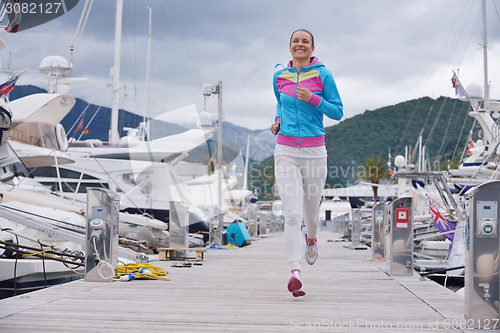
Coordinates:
[300,184]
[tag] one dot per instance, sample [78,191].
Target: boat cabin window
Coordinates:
[52,173]
[70,187]
[37,134]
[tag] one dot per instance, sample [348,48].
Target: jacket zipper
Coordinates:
[296,109]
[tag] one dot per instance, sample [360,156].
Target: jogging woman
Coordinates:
[305,91]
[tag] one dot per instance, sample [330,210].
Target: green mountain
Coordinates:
[444,124]
[380,132]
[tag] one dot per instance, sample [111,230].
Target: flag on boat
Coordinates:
[80,125]
[441,223]
[9,85]
[470,145]
[213,160]
[459,90]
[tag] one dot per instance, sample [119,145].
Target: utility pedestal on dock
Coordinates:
[481,260]
[178,228]
[401,251]
[378,232]
[262,223]
[356,231]
[356,228]
[101,251]
[345,225]
[252,223]
[328,220]
[216,228]
[273,225]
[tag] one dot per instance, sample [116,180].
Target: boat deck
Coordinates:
[244,290]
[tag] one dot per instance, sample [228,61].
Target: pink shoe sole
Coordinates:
[298,293]
[295,287]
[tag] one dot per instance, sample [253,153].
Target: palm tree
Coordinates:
[207,160]
[373,169]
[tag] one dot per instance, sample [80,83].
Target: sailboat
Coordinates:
[31,214]
[483,163]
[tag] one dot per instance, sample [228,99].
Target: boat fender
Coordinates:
[414,183]
[62,139]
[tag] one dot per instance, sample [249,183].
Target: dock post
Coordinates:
[356,228]
[401,219]
[216,227]
[378,231]
[328,220]
[178,228]
[346,225]
[482,283]
[262,223]
[252,223]
[102,225]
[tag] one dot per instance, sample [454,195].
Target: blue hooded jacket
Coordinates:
[301,123]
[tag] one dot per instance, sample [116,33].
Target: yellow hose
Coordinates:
[157,273]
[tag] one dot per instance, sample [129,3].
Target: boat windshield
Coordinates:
[36,134]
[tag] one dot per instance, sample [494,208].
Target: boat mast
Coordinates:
[115,73]
[219,148]
[420,153]
[148,69]
[245,181]
[485,57]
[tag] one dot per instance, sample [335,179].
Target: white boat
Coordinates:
[142,172]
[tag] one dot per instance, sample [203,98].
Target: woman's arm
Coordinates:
[331,104]
[278,97]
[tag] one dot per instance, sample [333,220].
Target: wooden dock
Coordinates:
[245,290]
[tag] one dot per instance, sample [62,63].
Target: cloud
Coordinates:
[380,52]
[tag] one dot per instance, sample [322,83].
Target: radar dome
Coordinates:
[475,91]
[399,161]
[54,64]
[204,119]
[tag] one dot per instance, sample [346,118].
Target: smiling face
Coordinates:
[301,45]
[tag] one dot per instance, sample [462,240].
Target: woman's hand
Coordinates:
[275,128]
[303,93]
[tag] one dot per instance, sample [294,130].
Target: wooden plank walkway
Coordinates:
[244,290]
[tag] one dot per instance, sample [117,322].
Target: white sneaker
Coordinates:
[311,251]
[295,285]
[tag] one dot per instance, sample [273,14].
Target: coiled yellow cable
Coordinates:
[157,273]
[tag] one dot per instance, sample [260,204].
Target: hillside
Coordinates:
[378,132]
[262,142]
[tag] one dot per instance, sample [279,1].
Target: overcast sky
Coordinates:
[381,52]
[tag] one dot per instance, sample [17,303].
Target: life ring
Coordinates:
[62,139]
